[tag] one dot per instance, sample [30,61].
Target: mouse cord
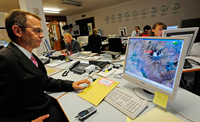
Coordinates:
[180,114]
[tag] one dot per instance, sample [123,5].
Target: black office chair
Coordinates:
[115,44]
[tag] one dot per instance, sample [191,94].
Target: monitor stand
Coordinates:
[187,64]
[144,94]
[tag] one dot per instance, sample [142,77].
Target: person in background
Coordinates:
[157,29]
[147,30]
[51,38]
[136,32]
[70,44]
[24,77]
[94,42]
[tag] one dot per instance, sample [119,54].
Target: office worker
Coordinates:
[157,29]
[51,38]
[136,32]
[23,76]
[146,31]
[94,42]
[70,44]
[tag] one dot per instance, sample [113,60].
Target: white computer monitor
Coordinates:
[155,64]
[191,33]
[122,31]
[172,27]
[99,32]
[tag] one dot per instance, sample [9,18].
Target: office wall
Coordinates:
[2,22]
[188,9]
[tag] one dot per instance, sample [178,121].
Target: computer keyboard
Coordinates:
[128,104]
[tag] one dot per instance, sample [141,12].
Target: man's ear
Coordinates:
[153,30]
[16,30]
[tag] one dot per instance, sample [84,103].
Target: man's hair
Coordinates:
[137,27]
[69,35]
[95,30]
[17,17]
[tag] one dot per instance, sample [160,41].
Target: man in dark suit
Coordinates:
[94,42]
[23,76]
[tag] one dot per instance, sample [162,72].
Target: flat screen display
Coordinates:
[154,61]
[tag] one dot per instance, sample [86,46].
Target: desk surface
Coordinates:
[186,103]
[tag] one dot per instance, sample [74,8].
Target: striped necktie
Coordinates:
[34,60]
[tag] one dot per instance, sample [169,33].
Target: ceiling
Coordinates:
[65,10]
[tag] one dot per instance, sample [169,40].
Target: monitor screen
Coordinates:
[183,32]
[122,31]
[155,64]
[99,32]
[172,27]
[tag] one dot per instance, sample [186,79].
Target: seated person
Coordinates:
[94,42]
[24,77]
[70,44]
[147,30]
[157,29]
[136,32]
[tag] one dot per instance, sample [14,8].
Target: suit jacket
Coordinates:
[74,45]
[22,86]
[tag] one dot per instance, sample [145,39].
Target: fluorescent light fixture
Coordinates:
[51,10]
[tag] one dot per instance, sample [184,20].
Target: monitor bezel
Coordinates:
[183,30]
[150,87]
[124,30]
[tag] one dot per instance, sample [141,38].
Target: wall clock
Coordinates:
[113,17]
[119,16]
[176,6]
[153,10]
[164,8]
[144,11]
[107,18]
[127,14]
[135,13]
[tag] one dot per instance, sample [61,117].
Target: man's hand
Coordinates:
[76,84]
[41,119]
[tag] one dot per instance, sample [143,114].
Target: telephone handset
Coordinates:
[78,67]
[74,65]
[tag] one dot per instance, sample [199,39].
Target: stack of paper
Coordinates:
[97,91]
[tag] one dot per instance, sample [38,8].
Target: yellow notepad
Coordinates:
[157,114]
[97,90]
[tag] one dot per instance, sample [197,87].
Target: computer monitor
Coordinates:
[99,32]
[183,32]
[122,31]
[172,27]
[155,64]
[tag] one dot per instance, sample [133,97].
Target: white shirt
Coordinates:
[26,52]
[134,33]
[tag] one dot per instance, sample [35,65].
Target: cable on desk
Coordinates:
[180,114]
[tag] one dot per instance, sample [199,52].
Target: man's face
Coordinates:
[136,29]
[32,36]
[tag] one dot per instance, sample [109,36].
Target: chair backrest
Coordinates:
[115,44]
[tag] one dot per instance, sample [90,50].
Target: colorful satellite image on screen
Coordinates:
[154,59]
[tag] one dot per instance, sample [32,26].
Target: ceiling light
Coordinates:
[72,2]
[51,11]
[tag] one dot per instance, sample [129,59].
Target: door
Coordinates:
[83,25]
[57,36]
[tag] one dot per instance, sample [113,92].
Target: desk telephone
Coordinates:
[78,67]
